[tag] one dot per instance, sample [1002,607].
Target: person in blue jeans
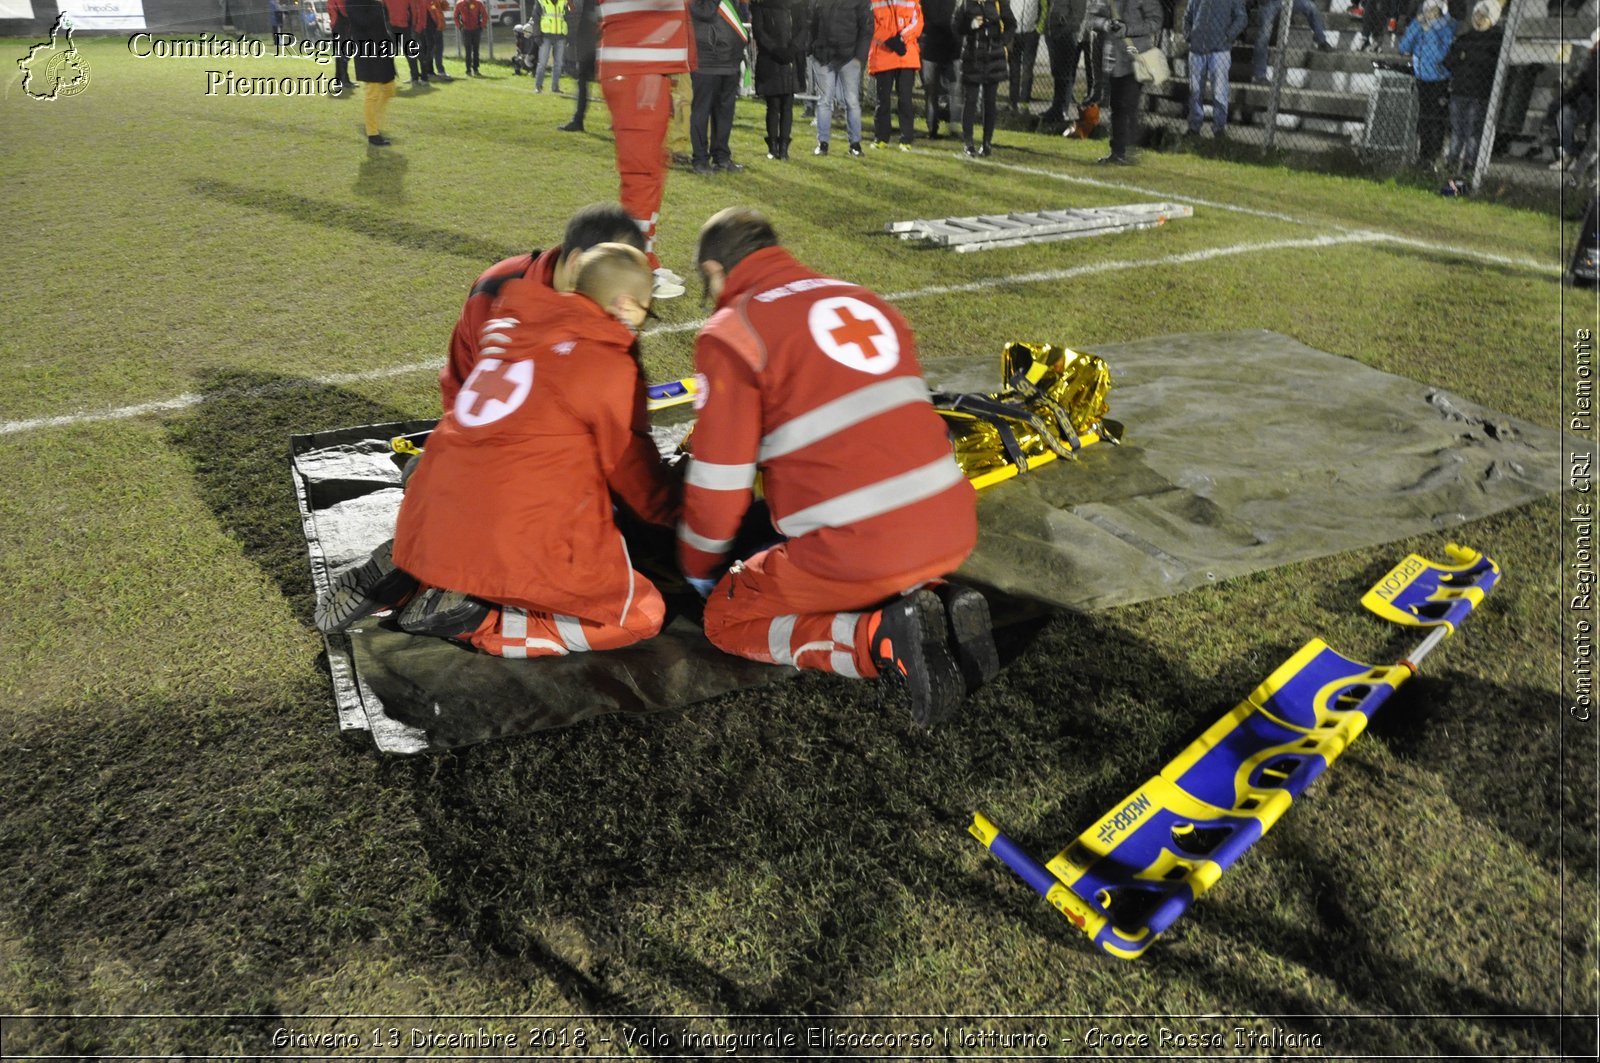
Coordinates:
[1266,33]
[841,33]
[1211,27]
[552,45]
[1427,41]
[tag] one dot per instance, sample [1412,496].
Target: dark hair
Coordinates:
[732,234]
[601,223]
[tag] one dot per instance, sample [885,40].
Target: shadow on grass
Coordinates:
[787,850]
[238,443]
[378,177]
[793,849]
[382,177]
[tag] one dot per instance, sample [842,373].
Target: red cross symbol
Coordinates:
[855,330]
[490,384]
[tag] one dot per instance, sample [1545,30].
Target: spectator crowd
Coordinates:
[820,54]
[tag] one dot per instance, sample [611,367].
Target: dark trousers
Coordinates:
[470,40]
[711,115]
[780,121]
[902,81]
[409,46]
[938,92]
[342,46]
[1125,92]
[1064,51]
[424,55]
[977,96]
[1023,52]
[435,37]
[1433,118]
[585,75]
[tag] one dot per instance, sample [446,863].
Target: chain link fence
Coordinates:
[1379,86]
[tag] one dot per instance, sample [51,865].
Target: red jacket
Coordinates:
[399,13]
[888,18]
[512,500]
[468,334]
[644,37]
[419,15]
[471,15]
[815,383]
[436,10]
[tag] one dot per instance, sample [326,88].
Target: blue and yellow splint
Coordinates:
[1131,875]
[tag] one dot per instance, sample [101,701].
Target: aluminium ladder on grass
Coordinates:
[983,231]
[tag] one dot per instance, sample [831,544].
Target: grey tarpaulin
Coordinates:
[1243,451]
[414,694]
[1246,451]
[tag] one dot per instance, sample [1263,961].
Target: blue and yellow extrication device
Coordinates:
[1129,876]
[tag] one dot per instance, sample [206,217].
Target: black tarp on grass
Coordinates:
[1243,451]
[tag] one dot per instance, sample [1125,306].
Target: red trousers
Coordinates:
[512,632]
[766,609]
[641,109]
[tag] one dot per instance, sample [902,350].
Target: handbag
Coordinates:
[1149,66]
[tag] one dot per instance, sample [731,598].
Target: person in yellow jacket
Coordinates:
[893,61]
[553,45]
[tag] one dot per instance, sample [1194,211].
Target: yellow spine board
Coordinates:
[1057,378]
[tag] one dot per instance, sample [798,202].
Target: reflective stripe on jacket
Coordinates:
[814,382]
[643,37]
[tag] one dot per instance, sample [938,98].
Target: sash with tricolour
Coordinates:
[730,15]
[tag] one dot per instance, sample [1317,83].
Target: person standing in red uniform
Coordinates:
[399,12]
[893,62]
[471,17]
[436,10]
[596,224]
[814,383]
[642,44]
[419,21]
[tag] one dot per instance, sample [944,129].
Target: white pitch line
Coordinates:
[432,365]
[1376,234]
[185,401]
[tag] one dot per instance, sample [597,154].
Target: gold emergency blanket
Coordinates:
[1051,404]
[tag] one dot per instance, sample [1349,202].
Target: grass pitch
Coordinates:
[184,835]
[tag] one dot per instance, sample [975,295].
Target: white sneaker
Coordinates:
[667,285]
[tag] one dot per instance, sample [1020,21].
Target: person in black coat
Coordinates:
[584,35]
[1129,26]
[1471,60]
[369,27]
[780,47]
[719,53]
[940,50]
[986,29]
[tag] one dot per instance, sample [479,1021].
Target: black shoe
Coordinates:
[370,587]
[729,167]
[1324,46]
[820,149]
[571,127]
[971,636]
[909,649]
[1121,160]
[703,169]
[442,614]
[985,151]
[1107,159]
[969,151]
[378,140]
[855,150]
